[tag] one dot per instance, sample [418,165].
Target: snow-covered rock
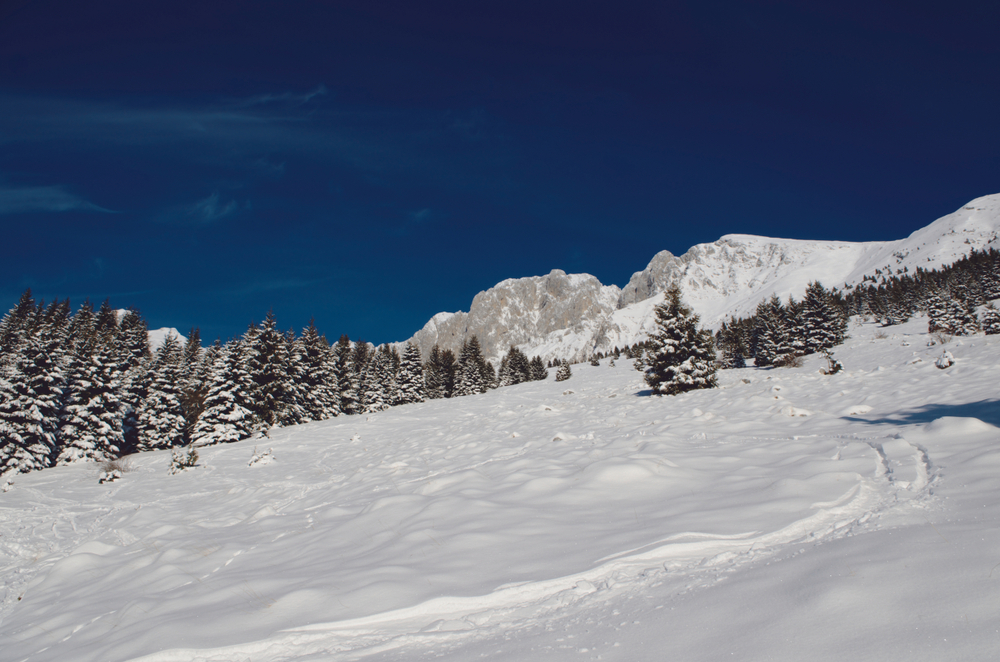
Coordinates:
[157,336]
[521,311]
[573,316]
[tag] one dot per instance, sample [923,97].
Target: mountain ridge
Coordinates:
[569,315]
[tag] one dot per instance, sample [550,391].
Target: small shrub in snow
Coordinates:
[788,361]
[946,360]
[564,372]
[181,459]
[594,361]
[112,470]
[833,366]
[939,338]
[260,458]
[109,476]
[611,363]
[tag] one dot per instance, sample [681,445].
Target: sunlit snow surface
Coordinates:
[784,516]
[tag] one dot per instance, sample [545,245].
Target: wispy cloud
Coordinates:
[212,208]
[43,199]
[467,149]
[289,97]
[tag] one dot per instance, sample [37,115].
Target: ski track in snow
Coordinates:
[439,525]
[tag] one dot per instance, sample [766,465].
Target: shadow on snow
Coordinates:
[987,411]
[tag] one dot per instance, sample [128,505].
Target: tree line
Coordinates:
[87,386]
[778,332]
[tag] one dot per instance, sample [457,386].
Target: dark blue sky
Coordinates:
[373,163]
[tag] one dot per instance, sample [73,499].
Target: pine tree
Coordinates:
[321,392]
[823,325]
[296,395]
[193,380]
[14,325]
[91,424]
[31,395]
[991,320]
[434,376]
[347,376]
[538,371]
[224,418]
[515,368]
[683,357]
[772,333]
[378,382]
[410,378]
[564,372]
[267,363]
[160,418]
[471,375]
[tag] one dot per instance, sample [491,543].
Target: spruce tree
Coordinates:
[991,320]
[410,378]
[31,397]
[91,424]
[224,418]
[564,372]
[321,392]
[378,382]
[682,356]
[537,369]
[14,325]
[347,376]
[823,325]
[434,377]
[471,375]
[272,402]
[160,418]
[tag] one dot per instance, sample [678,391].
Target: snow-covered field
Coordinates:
[787,515]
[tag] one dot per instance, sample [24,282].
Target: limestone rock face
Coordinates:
[663,269]
[519,311]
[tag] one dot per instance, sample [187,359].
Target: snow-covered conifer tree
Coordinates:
[224,418]
[434,378]
[682,357]
[991,320]
[347,376]
[31,395]
[823,325]
[160,419]
[564,372]
[538,371]
[410,377]
[378,382]
[91,424]
[470,375]
[15,323]
[320,391]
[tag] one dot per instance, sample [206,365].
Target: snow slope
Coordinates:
[787,515]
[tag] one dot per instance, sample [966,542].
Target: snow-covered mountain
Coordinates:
[573,316]
[157,336]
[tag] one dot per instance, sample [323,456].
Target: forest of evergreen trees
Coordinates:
[86,386]
[779,332]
